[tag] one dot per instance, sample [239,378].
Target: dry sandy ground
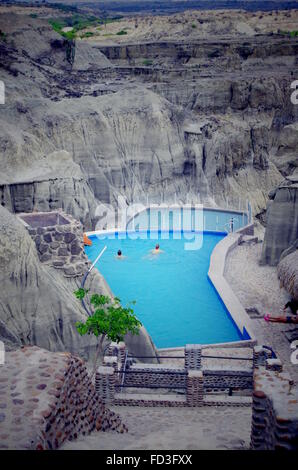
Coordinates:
[173,428]
[193,24]
[258,286]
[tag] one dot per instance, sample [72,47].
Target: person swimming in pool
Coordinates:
[156,250]
[120,255]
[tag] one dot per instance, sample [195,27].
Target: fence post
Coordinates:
[274,364]
[195,388]
[105,383]
[193,356]
[119,350]
[111,361]
[260,355]
[121,353]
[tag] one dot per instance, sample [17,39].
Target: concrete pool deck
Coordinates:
[258,290]
[223,288]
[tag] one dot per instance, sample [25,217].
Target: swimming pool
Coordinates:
[175,300]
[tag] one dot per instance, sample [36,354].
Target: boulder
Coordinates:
[282,220]
[288,273]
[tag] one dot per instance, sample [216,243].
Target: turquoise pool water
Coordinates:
[175,300]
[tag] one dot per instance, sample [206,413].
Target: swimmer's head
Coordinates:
[157,246]
[119,253]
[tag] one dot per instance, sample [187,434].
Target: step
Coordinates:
[225,400]
[248,240]
[224,363]
[146,399]
[162,367]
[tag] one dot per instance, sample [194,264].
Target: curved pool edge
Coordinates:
[216,276]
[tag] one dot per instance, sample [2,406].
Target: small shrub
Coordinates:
[33,15]
[107,320]
[2,36]
[88,34]
[69,35]
[193,26]
[121,33]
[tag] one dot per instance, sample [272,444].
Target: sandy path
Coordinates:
[170,428]
[258,286]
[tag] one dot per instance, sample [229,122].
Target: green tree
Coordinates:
[108,320]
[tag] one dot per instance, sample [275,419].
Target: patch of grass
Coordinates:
[62,7]
[69,35]
[114,19]
[121,33]
[88,34]
[147,62]
[3,36]
[292,34]
[76,21]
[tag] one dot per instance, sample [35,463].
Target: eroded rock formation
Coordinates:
[282,221]
[37,305]
[288,273]
[209,121]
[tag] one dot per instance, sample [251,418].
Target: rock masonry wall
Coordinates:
[274,411]
[61,246]
[47,398]
[194,379]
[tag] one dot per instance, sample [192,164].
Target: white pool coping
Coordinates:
[165,206]
[223,288]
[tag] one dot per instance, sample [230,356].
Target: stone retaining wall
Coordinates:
[142,400]
[47,398]
[148,375]
[274,412]
[60,245]
[196,383]
[222,379]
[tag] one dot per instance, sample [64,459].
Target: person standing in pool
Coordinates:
[156,250]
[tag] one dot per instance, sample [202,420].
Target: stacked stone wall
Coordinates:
[274,412]
[150,376]
[47,398]
[221,379]
[61,246]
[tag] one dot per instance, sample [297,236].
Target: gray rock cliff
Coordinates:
[210,121]
[288,273]
[282,221]
[37,305]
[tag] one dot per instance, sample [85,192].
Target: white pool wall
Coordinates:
[223,288]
